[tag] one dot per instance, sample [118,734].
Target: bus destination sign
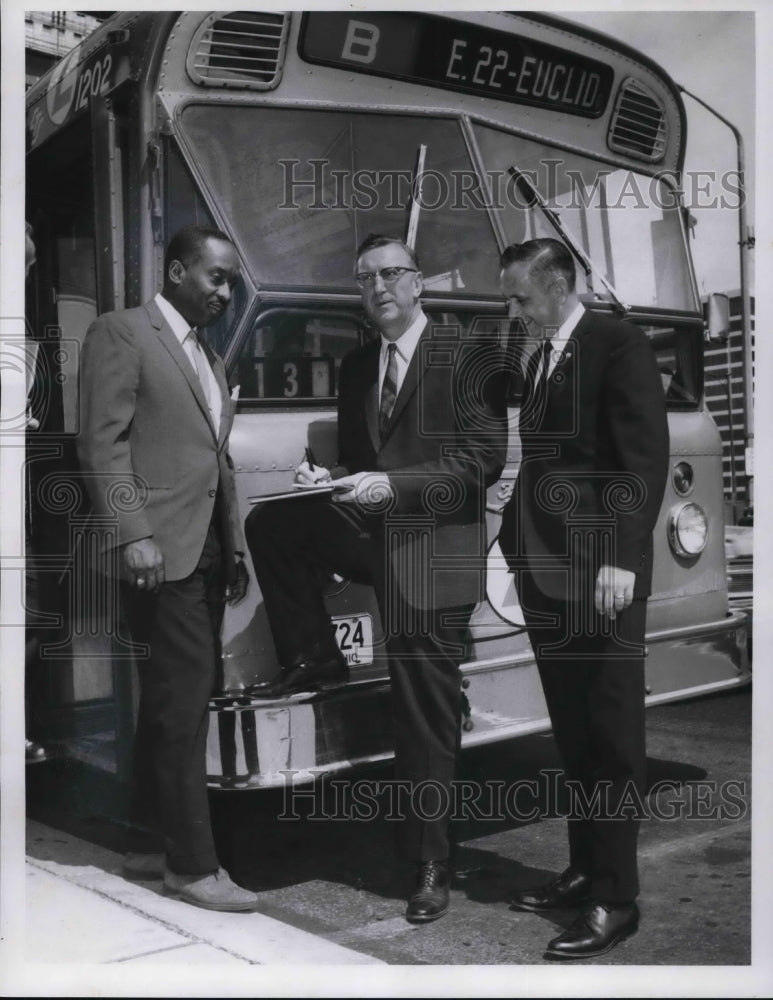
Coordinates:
[427,49]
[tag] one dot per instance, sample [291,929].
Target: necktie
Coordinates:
[536,385]
[541,387]
[388,391]
[202,368]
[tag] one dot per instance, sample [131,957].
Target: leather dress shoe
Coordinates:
[570,888]
[214,891]
[596,931]
[431,898]
[304,675]
[143,867]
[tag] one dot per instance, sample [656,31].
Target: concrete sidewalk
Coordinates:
[83,911]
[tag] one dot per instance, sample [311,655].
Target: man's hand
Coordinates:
[307,476]
[144,565]
[367,489]
[614,590]
[236,591]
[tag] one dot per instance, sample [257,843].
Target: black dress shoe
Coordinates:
[570,888]
[596,931]
[304,675]
[431,898]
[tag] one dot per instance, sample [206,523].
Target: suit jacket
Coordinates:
[445,444]
[151,459]
[595,463]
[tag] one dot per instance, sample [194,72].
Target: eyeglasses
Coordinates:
[389,275]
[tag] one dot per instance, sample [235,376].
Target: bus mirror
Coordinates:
[718,329]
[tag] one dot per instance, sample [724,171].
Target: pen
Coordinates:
[312,462]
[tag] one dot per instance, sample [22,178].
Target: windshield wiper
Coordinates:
[533,198]
[413,218]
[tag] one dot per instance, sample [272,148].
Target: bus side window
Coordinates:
[666,377]
[676,351]
[184,206]
[295,354]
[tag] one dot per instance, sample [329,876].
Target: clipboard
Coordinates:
[298,490]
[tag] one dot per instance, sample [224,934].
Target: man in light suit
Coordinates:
[153,448]
[422,434]
[577,533]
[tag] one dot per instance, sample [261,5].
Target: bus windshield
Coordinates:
[627,223]
[303,187]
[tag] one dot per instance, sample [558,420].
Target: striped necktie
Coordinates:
[388,391]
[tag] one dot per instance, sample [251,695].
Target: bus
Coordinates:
[298,134]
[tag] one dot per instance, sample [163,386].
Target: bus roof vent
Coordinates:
[242,48]
[638,125]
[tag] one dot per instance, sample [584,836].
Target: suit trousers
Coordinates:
[594,688]
[294,547]
[180,627]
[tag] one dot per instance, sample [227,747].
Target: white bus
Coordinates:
[298,134]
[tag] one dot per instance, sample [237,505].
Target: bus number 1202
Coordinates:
[94,80]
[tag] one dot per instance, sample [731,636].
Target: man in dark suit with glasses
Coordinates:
[421,434]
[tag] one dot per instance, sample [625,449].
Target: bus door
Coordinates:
[75,203]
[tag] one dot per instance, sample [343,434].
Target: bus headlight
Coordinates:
[688,529]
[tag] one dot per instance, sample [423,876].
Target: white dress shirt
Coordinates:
[406,347]
[181,328]
[560,339]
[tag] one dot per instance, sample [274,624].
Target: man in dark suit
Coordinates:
[577,533]
[153,448]
[422,434]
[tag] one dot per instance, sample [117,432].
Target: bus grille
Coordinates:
[638,124]
[242,49]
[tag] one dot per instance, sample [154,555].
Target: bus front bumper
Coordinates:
[259,744]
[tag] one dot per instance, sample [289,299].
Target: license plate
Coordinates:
[354,635]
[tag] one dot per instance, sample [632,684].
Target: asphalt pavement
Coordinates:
[335,875]
[333,897]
